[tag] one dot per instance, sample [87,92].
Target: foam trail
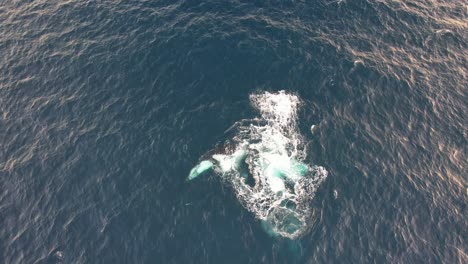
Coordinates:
[270,153]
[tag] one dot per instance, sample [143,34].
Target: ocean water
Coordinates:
[106,106]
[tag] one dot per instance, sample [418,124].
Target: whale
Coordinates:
[265,162]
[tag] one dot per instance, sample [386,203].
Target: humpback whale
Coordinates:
[265,162]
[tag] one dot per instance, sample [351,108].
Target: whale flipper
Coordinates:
[202,167]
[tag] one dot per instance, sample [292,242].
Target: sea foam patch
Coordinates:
[266,165]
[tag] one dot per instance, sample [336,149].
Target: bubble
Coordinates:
[313,129]
[59,254]
[335,194]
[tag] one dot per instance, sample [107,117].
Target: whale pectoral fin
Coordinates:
[202,167]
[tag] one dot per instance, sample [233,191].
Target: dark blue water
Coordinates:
[105,106]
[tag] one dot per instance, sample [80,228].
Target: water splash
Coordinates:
[265,164]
